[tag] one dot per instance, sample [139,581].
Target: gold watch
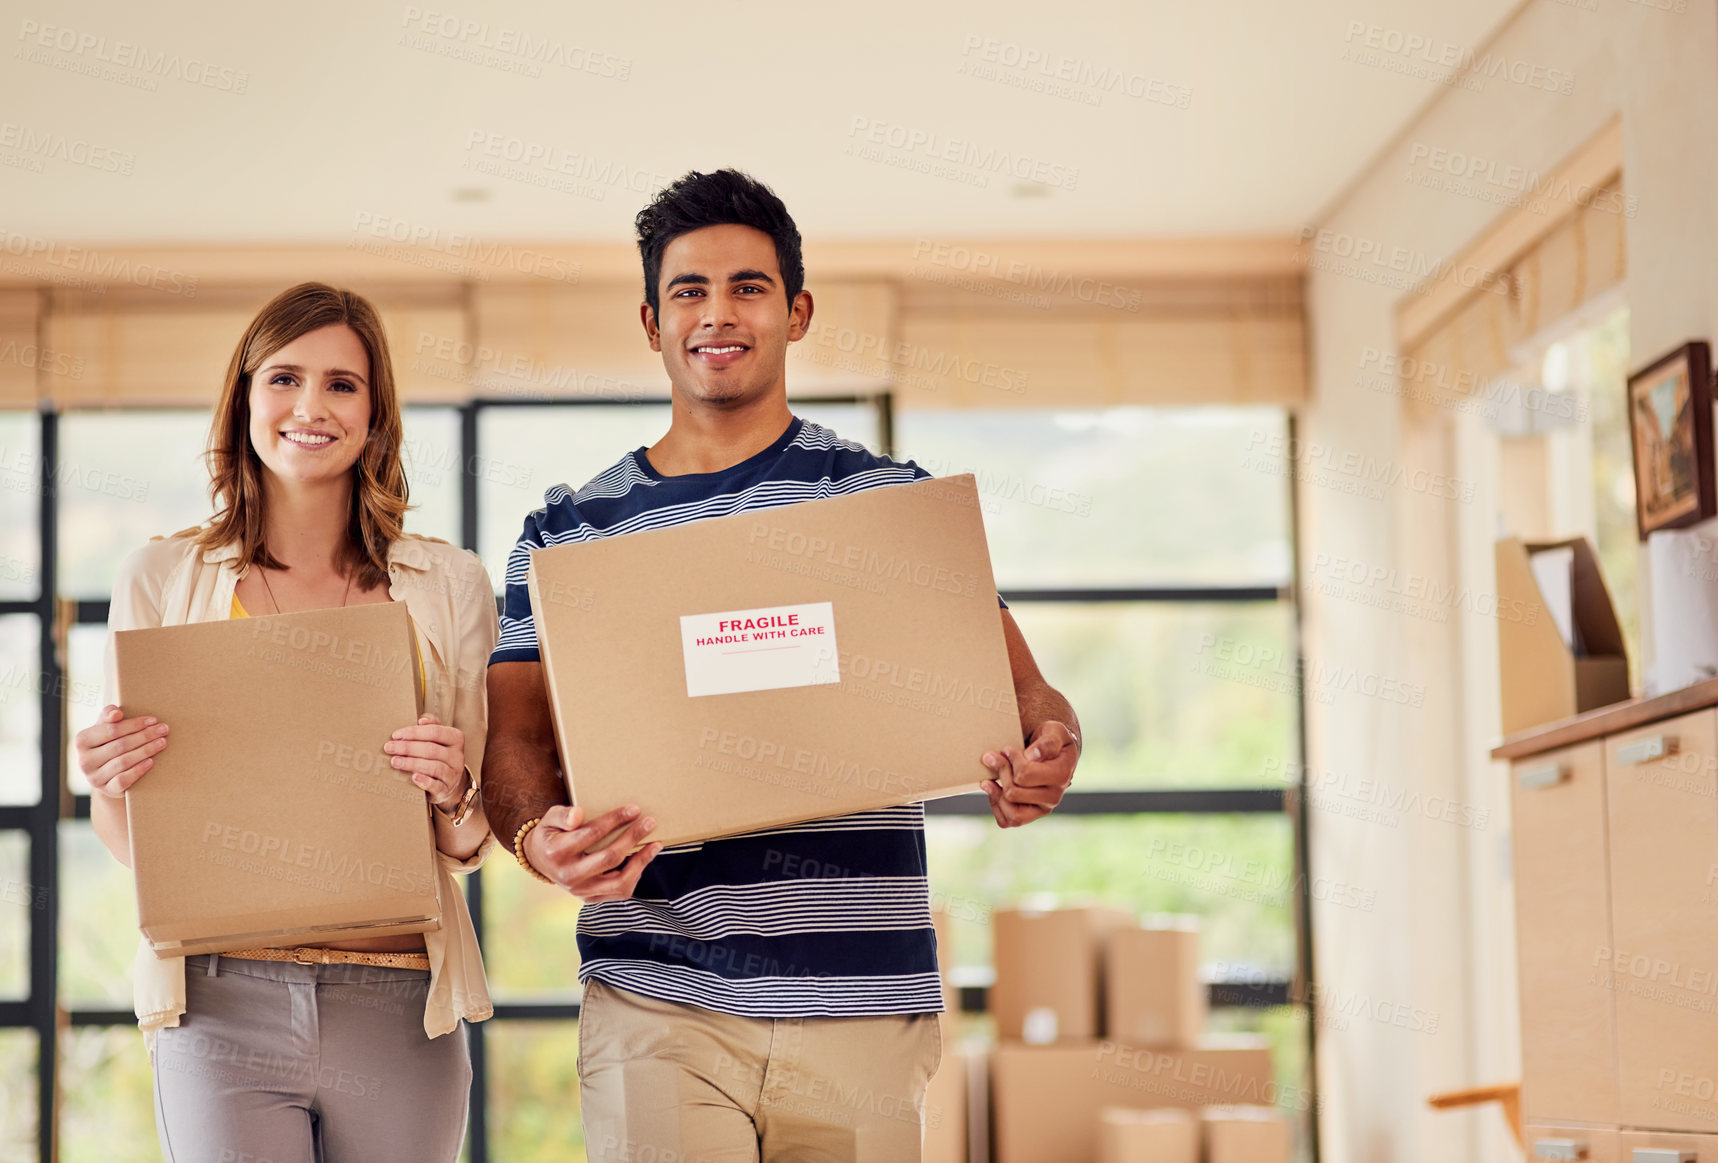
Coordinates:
[463,811]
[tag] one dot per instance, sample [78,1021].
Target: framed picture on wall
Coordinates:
[1670,428]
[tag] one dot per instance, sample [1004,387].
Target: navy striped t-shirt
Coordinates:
[826,919]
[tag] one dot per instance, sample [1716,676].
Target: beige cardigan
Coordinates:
[169,583]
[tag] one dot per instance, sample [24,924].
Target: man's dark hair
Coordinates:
[723,198]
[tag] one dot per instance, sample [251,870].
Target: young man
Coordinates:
[732,1013]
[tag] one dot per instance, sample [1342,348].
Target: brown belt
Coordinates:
[313,955]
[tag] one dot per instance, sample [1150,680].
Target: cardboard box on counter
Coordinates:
[1247,1134]
[1151,982]
[274,817]
[1046,1100]
[1049,972]
[773,667]
[1559,652]
[1150,1136]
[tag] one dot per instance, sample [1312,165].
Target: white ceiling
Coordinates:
[341,119]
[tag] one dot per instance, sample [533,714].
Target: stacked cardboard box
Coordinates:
[1247,1134]
[1152,1136]
[1094,1014]
[1049,973]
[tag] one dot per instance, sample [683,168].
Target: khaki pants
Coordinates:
[667,1083]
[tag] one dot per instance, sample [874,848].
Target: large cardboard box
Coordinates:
[772,667]
[1247,1134]
[1151,981]
[274,817]
[943,924]
[1049,972]
[1046,1100]
[946,1102]
[1549,671]
[1155,1136]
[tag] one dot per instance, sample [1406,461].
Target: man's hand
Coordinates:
[561,849]
[1029,782]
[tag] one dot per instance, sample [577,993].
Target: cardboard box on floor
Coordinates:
[778,666]
[1049,972]
[946,1108]
[943,924]
[1151,983]
[1046,1100]
[1154,1136]
[1543,676]
[1247,1134]
[273,817]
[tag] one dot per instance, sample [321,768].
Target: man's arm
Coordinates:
[521,781]
[1031,779]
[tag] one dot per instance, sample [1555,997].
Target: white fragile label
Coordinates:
[760,650]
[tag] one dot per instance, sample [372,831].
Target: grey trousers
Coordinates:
[275,1062]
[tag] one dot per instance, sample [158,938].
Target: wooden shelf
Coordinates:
[1608,720]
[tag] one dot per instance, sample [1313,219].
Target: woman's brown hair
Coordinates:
[235,472]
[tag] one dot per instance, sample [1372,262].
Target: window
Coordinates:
[1125,540]
[1151,578]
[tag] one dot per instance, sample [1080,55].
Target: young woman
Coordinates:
[351,1051]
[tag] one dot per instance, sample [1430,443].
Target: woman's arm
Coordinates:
[476,630]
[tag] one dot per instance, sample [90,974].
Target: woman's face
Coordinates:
[310,405]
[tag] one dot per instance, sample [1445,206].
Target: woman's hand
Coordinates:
[115,752]
[434,754]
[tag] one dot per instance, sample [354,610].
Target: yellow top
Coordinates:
[239,612]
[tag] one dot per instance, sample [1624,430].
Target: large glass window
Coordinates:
[1118,496]
[20,502]
[1149,577]
[124,477]
[20,708]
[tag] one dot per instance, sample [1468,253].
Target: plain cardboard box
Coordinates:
[1662,962]
[1562,922]
[1151,983]
[1247,1134]
[1157,1136]
[1049,972]
[944,926]
[772,667]
[1046,1100]
[946,1109]
[274,817]
[1541,678]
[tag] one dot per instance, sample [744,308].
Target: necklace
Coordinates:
[275,602]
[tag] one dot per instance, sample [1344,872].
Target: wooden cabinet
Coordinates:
[1667,1147]
[1563,920]
[1616,863]
[1663,805]
[1573,1141]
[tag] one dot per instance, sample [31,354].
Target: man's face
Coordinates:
[725,322]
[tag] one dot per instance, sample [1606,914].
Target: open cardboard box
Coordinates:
[778,666]
[1543,677]
[274,817]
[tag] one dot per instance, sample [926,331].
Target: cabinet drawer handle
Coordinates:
[1545,775]
[1646,750]
[1559,1149]
[1663,1155]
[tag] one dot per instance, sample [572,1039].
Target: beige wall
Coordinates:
[1440,937]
